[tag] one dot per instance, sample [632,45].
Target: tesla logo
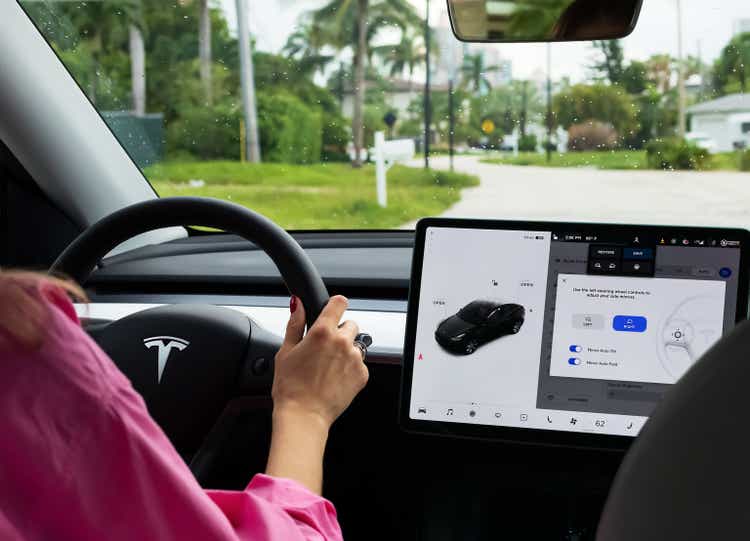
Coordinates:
[165,345]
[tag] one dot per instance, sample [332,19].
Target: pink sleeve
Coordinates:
[255,512]
[96,465]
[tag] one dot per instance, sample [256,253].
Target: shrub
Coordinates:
[205,132]
[289,131]
[605,103]
[676,153]
[527,143]
[592,135]
[744,160]
[336,132]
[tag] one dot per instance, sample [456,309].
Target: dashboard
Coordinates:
[373,269]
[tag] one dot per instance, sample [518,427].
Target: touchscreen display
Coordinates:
[564,330]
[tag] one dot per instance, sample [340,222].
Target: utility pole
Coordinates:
[427,107]
[548,144]
[247,82]
[681,122]
[451,121]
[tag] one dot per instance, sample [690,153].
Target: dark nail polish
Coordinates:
[293,304]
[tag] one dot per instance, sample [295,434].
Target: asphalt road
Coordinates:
[591,195]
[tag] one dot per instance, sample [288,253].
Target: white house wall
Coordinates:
[716,127]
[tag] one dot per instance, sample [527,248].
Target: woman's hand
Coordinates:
[316,377]
[321,373]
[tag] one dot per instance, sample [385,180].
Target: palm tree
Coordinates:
[474,70]
[305,45]
[204,49]
[735,59]
[137,68]
[352,24]
[133,10]
[659,70]
[105,28]
[406,55]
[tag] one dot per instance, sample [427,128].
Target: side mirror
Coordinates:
[509,21]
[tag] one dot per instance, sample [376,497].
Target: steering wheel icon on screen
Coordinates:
[686,333]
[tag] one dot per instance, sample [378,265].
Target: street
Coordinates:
[590,195]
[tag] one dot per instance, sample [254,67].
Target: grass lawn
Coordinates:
[616,159]
[319,196]
[620,159]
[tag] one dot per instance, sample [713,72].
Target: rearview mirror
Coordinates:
[542,20]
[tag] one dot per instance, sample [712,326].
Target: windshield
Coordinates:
[280,106]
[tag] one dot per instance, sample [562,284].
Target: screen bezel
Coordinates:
[536,436]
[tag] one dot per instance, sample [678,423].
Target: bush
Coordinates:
[527,143]
[208,133]
[675,153]
[290,132]
[605,103]
[592,135]
[744,159]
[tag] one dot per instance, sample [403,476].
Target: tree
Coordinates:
[353,24]
[611,104]
[659,71]
[305,45]
[106,29]
[473,72]
[204,48]
[247,79]
[137,68]
[611,64]
[405,56]
[509,107]
[634,77]
[731,69]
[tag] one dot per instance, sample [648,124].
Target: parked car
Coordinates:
[478,323]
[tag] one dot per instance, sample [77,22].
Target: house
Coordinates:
[399,95]
[725,121]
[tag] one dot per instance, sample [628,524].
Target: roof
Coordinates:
[733,103]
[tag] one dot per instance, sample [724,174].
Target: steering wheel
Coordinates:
[189,361]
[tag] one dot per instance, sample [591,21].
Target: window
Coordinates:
[289,136]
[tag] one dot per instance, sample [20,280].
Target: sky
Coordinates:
[707,27]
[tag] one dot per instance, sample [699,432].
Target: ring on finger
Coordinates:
[362,349]
[363,341]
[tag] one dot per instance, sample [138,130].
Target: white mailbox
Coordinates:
[386,153]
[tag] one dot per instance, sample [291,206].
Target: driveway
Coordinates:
[584,194]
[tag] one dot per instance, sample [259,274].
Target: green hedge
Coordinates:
[744,160]
[208,133]
[290,132]
[527,143]
[675,153]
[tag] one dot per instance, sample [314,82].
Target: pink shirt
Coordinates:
[80,458]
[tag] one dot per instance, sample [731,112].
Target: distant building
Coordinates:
[450,53]
[504,74]
[398,97]
[725,121]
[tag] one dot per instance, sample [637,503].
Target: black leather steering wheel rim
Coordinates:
[301,277]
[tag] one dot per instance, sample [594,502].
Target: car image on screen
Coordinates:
[478,323]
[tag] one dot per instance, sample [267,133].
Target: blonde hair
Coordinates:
[23,317]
